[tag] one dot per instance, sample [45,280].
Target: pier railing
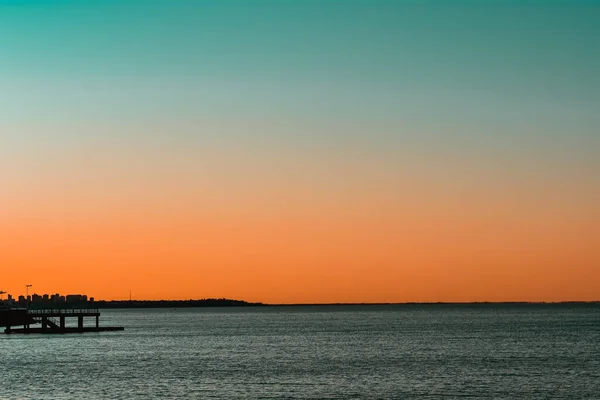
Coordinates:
[55,321]
[63,311]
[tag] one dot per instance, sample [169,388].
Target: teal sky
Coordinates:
[496,80]
[544,54]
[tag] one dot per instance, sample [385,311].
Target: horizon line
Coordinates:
[362,303]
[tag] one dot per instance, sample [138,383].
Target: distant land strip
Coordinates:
[241,303]
[174,303]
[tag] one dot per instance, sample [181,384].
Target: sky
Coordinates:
[301,151]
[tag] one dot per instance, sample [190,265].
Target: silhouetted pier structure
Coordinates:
[55,321]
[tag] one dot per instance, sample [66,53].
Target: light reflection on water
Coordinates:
[528,352]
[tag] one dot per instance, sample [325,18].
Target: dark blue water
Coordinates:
[373,352]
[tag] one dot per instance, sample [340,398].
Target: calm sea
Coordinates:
[344,352]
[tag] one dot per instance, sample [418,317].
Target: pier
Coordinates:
[53,321]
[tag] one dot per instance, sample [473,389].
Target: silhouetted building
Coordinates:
[76,298]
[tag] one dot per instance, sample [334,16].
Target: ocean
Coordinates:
[316,352]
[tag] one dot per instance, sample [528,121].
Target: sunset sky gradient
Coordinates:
[301,151]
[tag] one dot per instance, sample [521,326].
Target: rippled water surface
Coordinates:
[485,351]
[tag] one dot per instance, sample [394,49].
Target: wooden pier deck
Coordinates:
[55,321]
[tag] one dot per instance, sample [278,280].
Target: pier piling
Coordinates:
[54,321]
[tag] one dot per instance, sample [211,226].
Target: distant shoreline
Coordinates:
[107,304]
[173,303]
[219,303]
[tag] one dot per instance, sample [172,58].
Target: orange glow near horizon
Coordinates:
[294,231]
[345,252]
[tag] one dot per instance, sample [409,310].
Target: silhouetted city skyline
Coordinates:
[45,300]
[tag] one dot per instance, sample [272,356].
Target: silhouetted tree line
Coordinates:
[173,303]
